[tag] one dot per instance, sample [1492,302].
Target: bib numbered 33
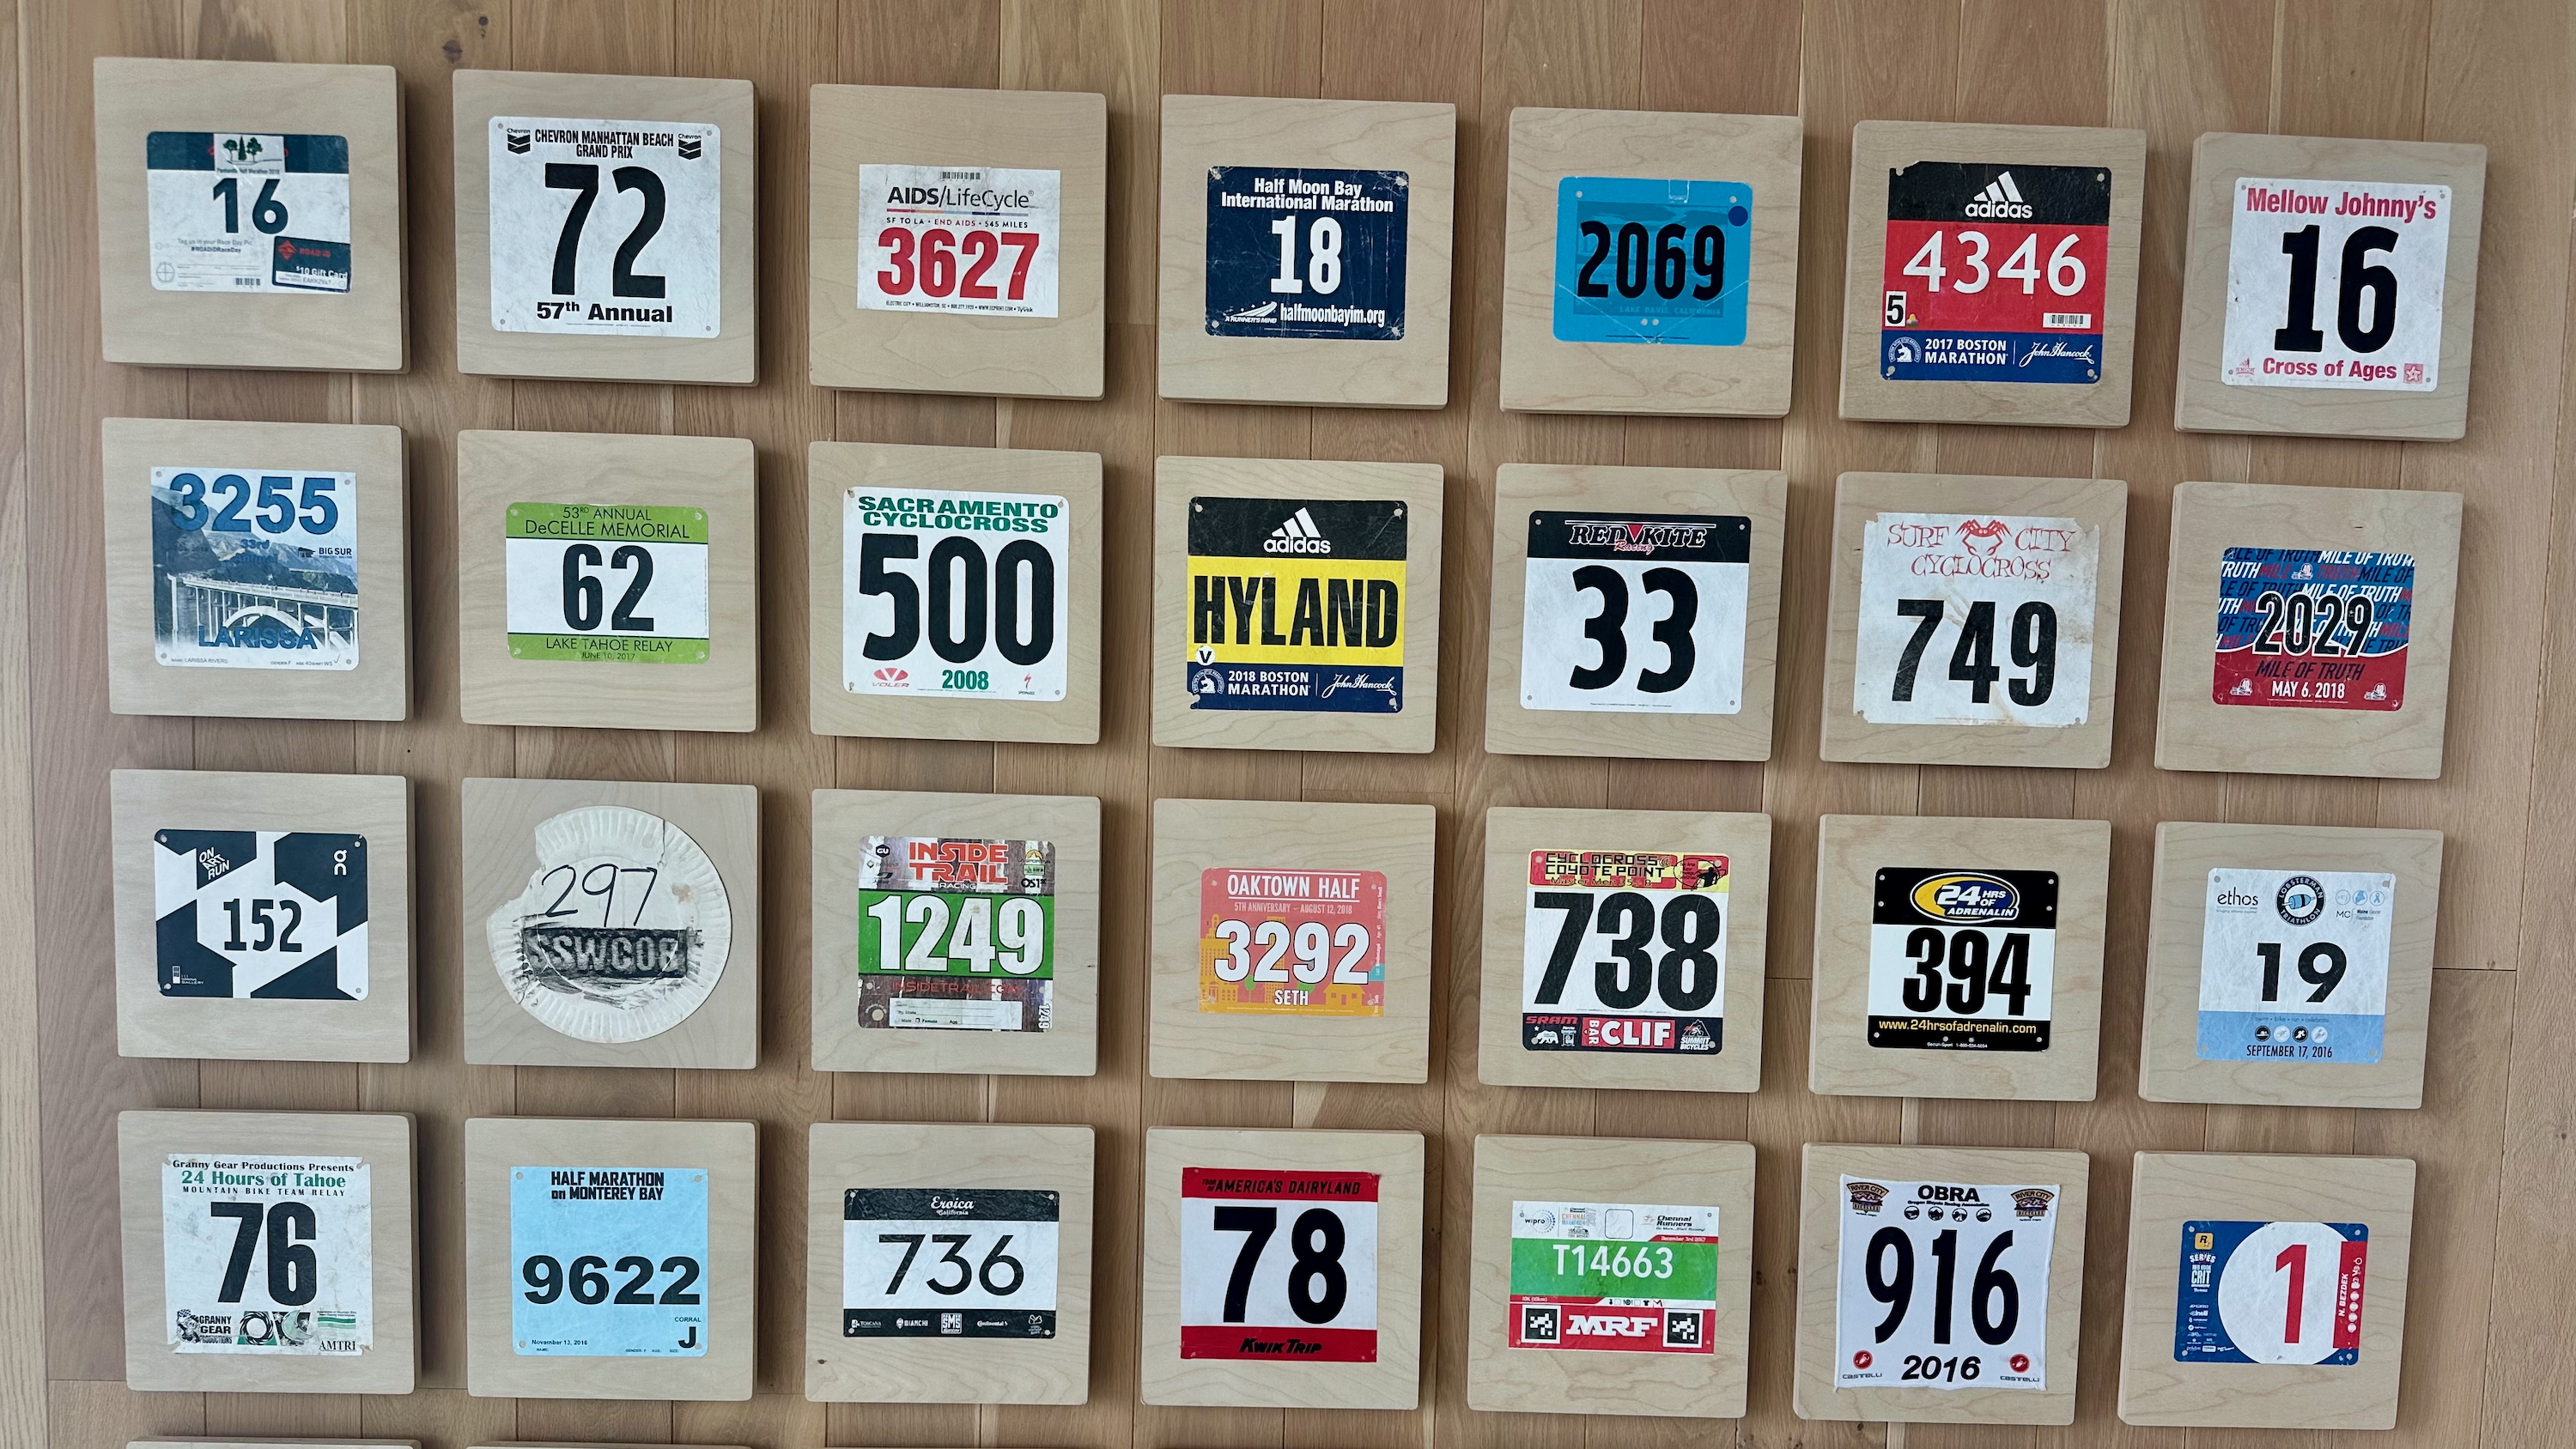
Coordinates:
[1642,613]
[272,915]
[1652,260]
[2305,628]
[1943,1285]
[240,211]
[977,240]
[1962,960]
[1995,273]
[1306,252]
[623,929]
[2271,1292]
[1625,1277]
[1624,951]
[1296,604]
[1975,620]
[613,228]
[2336,284]
[267,1253]
[2294,965]
[607,582]
[955,595]
[254,568]
[1292,942]
[962,1262]
[956,935]
[1279,1266]
[611,1262]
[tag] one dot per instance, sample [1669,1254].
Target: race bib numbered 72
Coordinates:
[2271,1292]
[2294,965]
[1626,1277]
[955,595]
[237,211]
[607,227]
[1292,942]
[622,583]
[1962,960]
[1976,620]
[268,1253]
[272,915]
[964,1262]
[1636,613]
[2305,628]
[1306,252]
[1943,1285]
[1279,1266]
[1296,604]
[1624,951]
[254,568]
[956,935]
[610,1262]
[1995,273]
[976,240]
[2336,284]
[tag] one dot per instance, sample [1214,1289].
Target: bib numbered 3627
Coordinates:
[609,1262]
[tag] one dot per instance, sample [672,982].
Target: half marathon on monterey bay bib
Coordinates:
[608,1262]
[1292,942]
[955,595]
[254,568]
[2336,284]
[978,240]
[248,212]
[2294,965]
[1943,1285]
[1629,1277]
[1970,619]
[1652,260]
[1624,951]
[1296,604]
[2305,628]
[956,935]
[279,916]
[955,1262]
[1962,960]
[608,227]
[1635,612]
[267,1253]
[1995,273]
[1306,252]
[617,582]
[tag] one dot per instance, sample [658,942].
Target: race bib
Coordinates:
[607,227]
[930,1262]
[622,932]
[1962,960]
[2304,628]
[254,568]
[956,935]
[267,1253]
[2336,284]
[237,211]
[1995,273]
[1651,260]
[2271,1292]
[280,916]
[1624,951]
[612,1262]
[2294,965]
[1627,1277]
[957,595]
[625,583]
[1292,942]
[1279,1266]
[979,240]
[1296,605]
[1639,613]
[1306,252]
[1969,620]
[1943,1285]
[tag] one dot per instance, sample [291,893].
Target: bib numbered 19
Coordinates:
[1306,252]
[1624,951]
[1296,604]
[955,595]
[1995,273]
[2271,1292]
[607,227]
[623,583]
[2304,628]
[956,935]
[1962,960]
[611,1262]
[1292,942]
[961,1262]
[1943,1285]
[2336,284]
[2294,965]
[268,1253]
[622,931]
[1969,620]
[279,916]
[1652,260]
[248,212]
[1627,1277]
[1279,1266]
[1635,612]
[976,240]
[254,568]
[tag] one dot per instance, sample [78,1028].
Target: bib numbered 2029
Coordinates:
[2305,628]
[2336,284]
[1969,619]
[956,935]
[979,241]
[1624,951]
[240,211]
[1642,259]
[254,568]
[1292,942]
[1306,252]
[1635,612]
[956,595]
[1995,273]
[277,916]
[1279,1266]
[1296,604]
[613,228]
[948,1262]
[608,1262]
[2294,965]
[613,582]
[1943,1285]
[267,1253]
[1626,1277]
[1962,960]
[2287,1293]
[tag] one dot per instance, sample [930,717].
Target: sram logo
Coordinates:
[2001,201]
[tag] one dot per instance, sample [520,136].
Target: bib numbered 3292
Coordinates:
[1624,951]
[1651,260]
[2253,1292]
[2305,628]
[608,1262]
[277,916]
[1962,960]
[1969,619]
[239,211]
[1279,1266]
[622,931]
[1995,273]
[1306,252]
[948,1262]
[956,935]
[1296,604]
[956,595]
[977,240]
[1641,612]
[2294,965]
[1625,1277]
[1292,942]
[613,228]
[254,568]
[2336,284]
[614,582]
[1943,1285]
[268,1253]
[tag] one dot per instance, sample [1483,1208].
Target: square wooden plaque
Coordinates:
[2096,505]
[843,822]
[2205,403]
[1881,150]
[374,1027]
[2172,1188]
[360,329]
[2194,731]
[1202,134]
[497,471]
[1819,1275]
[1522,491]
[731,356]
[382,1140]
[1194,837]
[836,471]
[1511,835]
[504,867]
[2170,1068]
[497,1147]
[1393,1380]
[1178,484]
[1610,1170]
[1546,373]
[376,686]
[1851,850]
[273,1444]
[1066,132]
[957,1157]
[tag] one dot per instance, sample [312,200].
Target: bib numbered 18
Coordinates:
[1279,1266]
[1975,620]
[2271,1292]
[1306,252]
[1962,960]
[955,595]
[2294,965]
[1635,612]
[956,935]
[623,583]
[2305,628]
[1943,1285]
[268,1253]
[1626,1277]
[246,212]
[2336,284]
[1624,951]
[607,227]
[611,1262]
[254,568]
[948,1262]
[274,915]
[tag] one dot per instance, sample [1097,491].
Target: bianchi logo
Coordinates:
[2000,200]
[1298,535]
[1630,537]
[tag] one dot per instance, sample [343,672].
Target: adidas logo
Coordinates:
[2001,200]
[1298,535]
[689,147]
[517,141]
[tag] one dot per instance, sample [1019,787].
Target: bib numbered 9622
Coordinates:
[608,1262]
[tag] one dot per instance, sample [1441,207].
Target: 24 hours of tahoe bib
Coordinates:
[268,1253]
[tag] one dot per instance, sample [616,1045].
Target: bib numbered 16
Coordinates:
[2336,284]
[1975,620]
[948,1262]
[1279,1266]
[267,1253]
[1962,960]
[1635,612]
[2271,1292]
[1943,1285]
[254,568]
[1626,1277]
[1624,951]
[956,935]
[607,227]
[611,1262]
[246,212]
[2294,965]
[955,595]
[274,915]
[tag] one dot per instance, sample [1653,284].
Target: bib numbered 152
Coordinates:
[610,1262]
[1943,1285]
[278,916]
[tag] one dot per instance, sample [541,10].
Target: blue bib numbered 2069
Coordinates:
[1306,252]
[1648,260]
[608,1262]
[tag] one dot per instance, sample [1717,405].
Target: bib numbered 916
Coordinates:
[1943,1285]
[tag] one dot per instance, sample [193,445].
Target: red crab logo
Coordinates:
[1982,539]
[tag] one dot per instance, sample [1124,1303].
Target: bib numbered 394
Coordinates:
[273,915]
[2336,284]
[1635,612]
[1995,273]
[1624,951]
[2294,965]
[2264,1292]
[247,212]
[1296,604]
[948,1262]
[606,227]
[623,583]
[610,1262]
[1623,1277]
[1279,1266]
[1972,619]
[268,1253]
[1943,1285]
[1962,960]
[2305,628]
[956,935]
[956,595]
[254,568]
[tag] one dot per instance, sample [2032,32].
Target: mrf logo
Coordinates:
[1966,896]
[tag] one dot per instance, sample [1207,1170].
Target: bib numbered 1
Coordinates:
[1279,1266]
[1635,612]
[622,931]
[2271,1292]
[610,228]
[956,935]
[948,1262]
[248,212]
[2304,628]
[977,240]
[2294,965]
[278,916]
[1652,260]
[955,595]
[1969,620]
[2336,284]
[1292,942]
[268,1253]
[1943,1285]
[1624,951]
[1626,1277]
[1306,252]
[1962,960]
[254,568]
[1995,273]
[623,583]
[611,1262]
[1296,604]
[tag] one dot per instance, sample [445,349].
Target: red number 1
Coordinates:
[2294,1258]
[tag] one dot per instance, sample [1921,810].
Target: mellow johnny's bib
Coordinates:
[1970,619]
[1636,613]
[1624,951]
[2288,1293]
[1942,1285]
[265,914]
[1292,942]
[2305,628]
[955,595]
[607,227]
[956,935]
[948,1262]
[254,568]
[1626,1277]
[1962,960]
[1296,604]
[268,1253]
[623,583]
[2336,284]
[621,933]
[611,1262]
[239,211]
[2294,965]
